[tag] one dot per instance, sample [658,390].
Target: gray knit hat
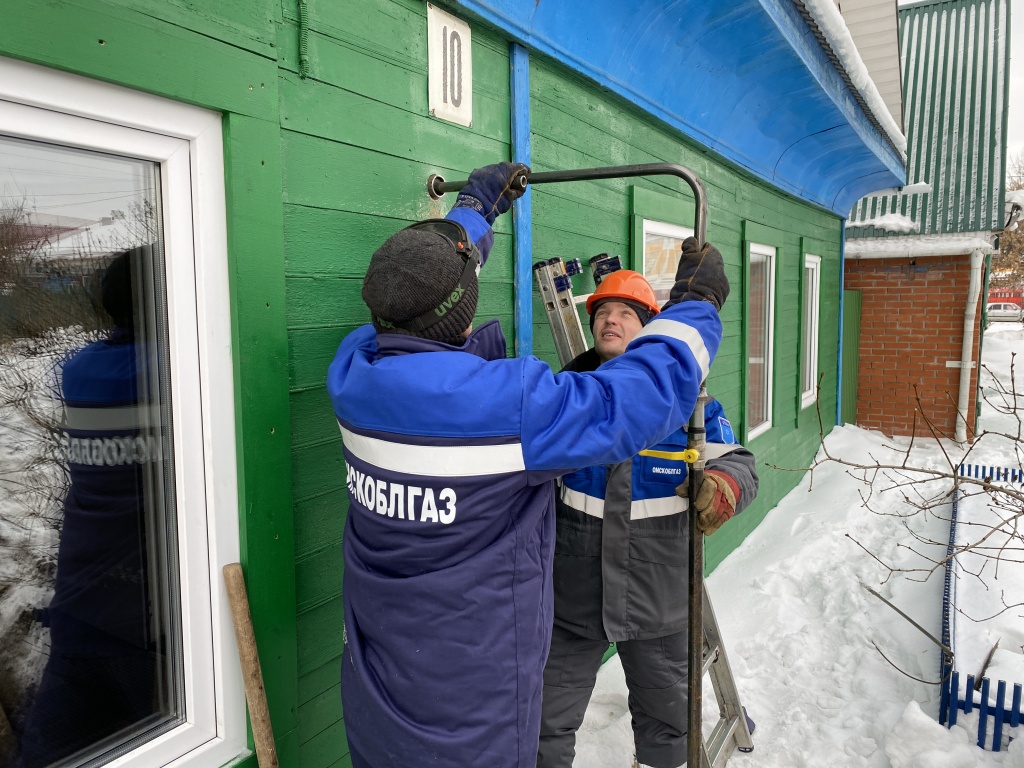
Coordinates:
[412,286]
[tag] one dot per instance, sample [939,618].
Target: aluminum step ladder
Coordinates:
[733,729]
[555,285]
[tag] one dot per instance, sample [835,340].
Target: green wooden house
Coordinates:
[189,196]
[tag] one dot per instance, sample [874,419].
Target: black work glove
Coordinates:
[487,190]
[700,275]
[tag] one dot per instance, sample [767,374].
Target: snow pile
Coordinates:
[914,246]
[890,222]
[989,615]
[918,741]
[989,596]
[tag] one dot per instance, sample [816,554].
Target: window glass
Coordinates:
[90,627]
[662,246]
[809,353]
[759,338]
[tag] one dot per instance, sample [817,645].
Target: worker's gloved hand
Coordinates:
[716,500]
[700,275]
[488,191]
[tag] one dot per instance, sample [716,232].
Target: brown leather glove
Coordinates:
[716,500]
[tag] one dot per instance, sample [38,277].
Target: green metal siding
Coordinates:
[955,103]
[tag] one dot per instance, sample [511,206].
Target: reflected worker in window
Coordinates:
[100,676]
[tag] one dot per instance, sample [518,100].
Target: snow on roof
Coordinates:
[924,245]
[831,23]
[891,222]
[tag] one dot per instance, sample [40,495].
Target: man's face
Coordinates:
[615,325]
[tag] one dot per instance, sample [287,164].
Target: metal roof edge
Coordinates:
[829,27]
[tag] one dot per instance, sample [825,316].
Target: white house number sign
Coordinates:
[450,67]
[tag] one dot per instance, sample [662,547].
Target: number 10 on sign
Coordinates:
[450,67]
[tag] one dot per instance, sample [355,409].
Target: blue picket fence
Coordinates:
[1000,714]
[951,702]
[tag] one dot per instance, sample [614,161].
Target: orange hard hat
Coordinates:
[627,285]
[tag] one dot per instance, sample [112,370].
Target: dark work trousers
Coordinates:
[657,677]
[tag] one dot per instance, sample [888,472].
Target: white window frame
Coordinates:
[41,104]
[655,227]
[809,330]
[769,253]
[664,229]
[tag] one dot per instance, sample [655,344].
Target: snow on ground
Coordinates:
[805,638]
[987,586]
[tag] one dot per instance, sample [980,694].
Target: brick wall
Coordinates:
[912,322]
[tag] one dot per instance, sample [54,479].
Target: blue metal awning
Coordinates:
[749,79]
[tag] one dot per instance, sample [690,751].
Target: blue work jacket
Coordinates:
[450,459]
[621,566]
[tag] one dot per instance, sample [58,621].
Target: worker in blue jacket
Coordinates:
[451,451]
[621,567]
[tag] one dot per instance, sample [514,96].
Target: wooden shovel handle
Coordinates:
[252,673]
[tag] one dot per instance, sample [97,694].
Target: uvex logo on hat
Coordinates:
[450,302]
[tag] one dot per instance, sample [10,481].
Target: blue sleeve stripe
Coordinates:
[435,460]
[639,509]
[687,334]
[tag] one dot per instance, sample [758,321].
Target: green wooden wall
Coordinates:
[319,172]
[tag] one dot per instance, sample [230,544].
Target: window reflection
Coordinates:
[757,401]
[89,623]
[662,246]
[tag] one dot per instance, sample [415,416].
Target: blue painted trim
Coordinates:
[746,79]
[522,216]
[842,304]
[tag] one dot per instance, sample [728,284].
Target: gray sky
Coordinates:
[61,181]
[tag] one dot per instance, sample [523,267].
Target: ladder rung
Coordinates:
[730,732]
[710,656]
[721,736]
